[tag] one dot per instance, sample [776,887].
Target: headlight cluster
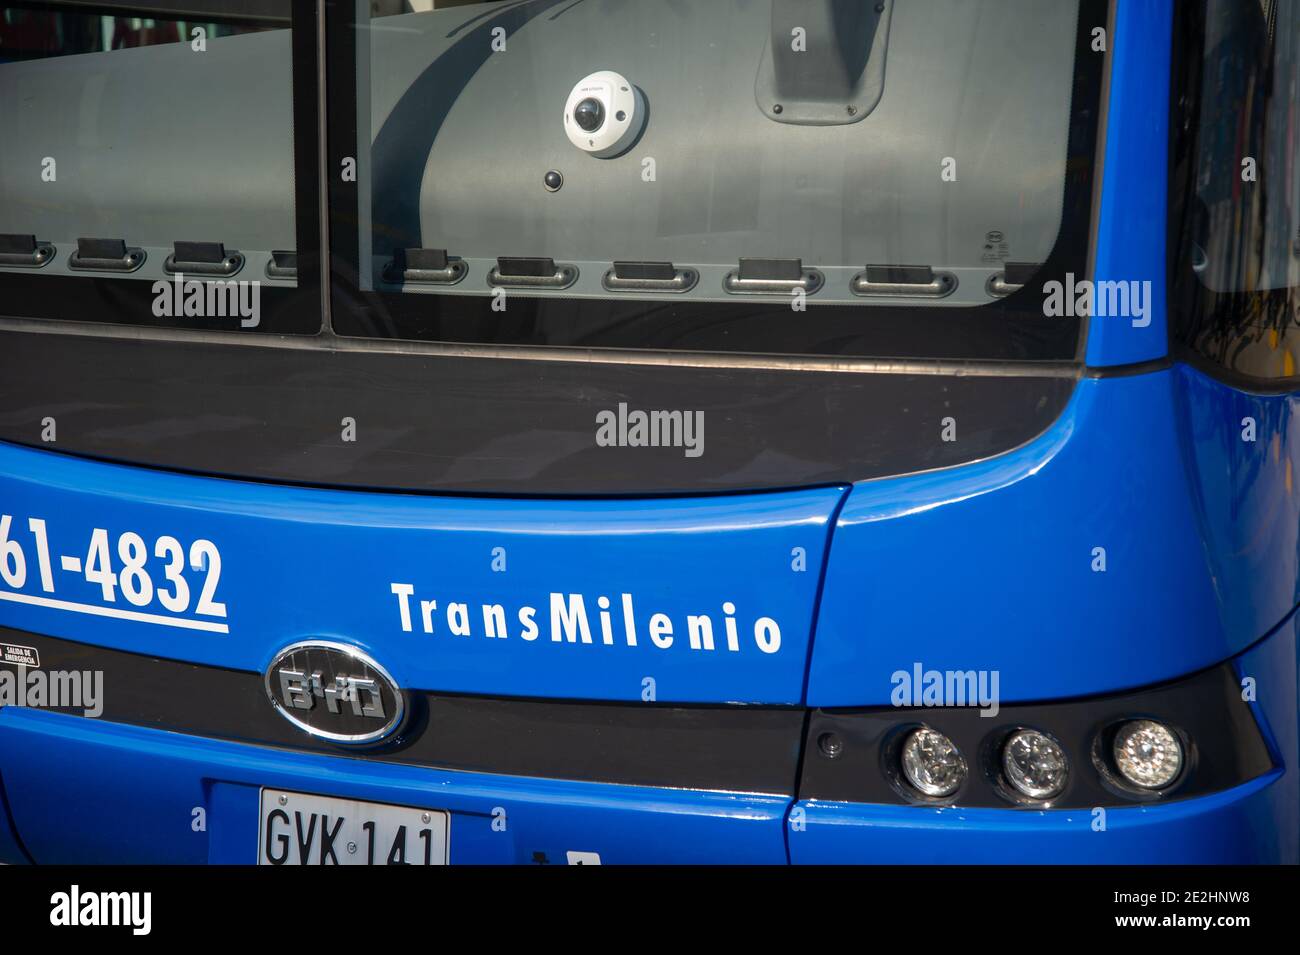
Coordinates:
[1176,740]
[1146,754]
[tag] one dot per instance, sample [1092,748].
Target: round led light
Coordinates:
[1034,764]
[1148,754]
[932,764]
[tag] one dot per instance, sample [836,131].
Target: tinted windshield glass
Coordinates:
[139,147]
[837,153]
[1236,186]
[925,134]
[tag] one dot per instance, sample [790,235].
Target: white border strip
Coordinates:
[135,615]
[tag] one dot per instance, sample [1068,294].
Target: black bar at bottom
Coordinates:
[730,748]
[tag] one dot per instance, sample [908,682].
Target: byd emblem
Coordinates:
[334,691]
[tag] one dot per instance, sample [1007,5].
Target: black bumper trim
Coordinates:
[726,748]
[750,749]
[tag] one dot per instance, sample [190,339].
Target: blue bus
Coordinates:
[578,432]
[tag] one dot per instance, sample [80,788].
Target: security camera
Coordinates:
[604,114]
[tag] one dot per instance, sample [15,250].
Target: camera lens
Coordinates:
[589,114]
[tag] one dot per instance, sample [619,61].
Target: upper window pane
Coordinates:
[1236,206]
[140,146]
[724,151]
[1246,184]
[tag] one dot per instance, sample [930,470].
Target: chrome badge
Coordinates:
[334,692]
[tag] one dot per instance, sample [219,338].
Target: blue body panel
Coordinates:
[1130,242]
[1247,497]
[11,850]
[147,784]
[1229,827]
[991,566]
[299,563]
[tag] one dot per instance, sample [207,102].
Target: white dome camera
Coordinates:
[604,114]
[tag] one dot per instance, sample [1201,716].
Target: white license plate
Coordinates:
[302,829]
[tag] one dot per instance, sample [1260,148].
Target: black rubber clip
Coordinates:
[283,264]
[105,255]
[772,277]
[431,266]
[649,277]
[24,251]
[903,281]
[203,258]
[1013,277]
[524,272]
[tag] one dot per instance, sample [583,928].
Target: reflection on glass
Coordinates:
[1237,267]
[721,151]
[139,146]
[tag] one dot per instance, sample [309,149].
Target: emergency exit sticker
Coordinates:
[20,656]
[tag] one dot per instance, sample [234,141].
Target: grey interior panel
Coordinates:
[463,136]
[153,145]
[162,144]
